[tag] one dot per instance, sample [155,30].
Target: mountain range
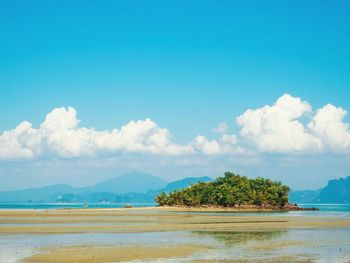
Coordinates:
[337,191]
[139,187]
[133,187]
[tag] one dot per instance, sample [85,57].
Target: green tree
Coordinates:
[229,191]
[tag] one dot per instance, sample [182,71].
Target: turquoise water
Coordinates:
[329,207]
[69,205]
[322,207]
[326,210]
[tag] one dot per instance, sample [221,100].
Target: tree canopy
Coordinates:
[231,190]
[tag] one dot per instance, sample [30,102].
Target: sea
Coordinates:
[323,208]
[46,206]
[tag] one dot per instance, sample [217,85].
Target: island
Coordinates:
[232,191]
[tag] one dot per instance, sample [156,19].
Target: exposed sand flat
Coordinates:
[118,254]
[148,220]
[44,229]
[101,211]
[284,259]
[96,254]
[217,237]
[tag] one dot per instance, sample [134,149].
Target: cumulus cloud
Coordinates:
[328,125]
[226,144]
[229,145]
[287,126]
[202,144]
[61,136]
[279,127]
[21,142]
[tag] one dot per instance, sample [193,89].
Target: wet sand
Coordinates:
[91,254]
[211,224]
[148,220]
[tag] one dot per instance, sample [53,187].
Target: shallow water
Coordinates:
[326,245]
[325,210]
[314,244]
[322,207]
[69,205]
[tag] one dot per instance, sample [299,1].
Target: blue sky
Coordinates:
[187,65]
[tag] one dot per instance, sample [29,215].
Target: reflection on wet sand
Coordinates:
[231,238]
[170,235]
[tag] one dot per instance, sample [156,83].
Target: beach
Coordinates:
[172,234]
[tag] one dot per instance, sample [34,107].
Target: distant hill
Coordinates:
[129,183]
[337,191]
[303,196]
[129,188]
[43,194]
[143,188]
[183,183]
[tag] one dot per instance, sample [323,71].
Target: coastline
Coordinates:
[243,208]
[169,208]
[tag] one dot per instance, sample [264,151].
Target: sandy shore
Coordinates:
[90,254]
[150,220]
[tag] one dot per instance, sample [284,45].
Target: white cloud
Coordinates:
[221,128]
[202,144]
[140,136]
[60,119]
[60,135]
[22,142]
[278,128]
[227,144]
[328,125]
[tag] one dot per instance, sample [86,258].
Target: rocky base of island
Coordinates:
[247,208]
[295,207]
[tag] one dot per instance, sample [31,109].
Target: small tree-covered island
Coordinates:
[232,191]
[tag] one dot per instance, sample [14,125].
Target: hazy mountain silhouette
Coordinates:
[184,183]
[135,182]
[141,187]
[337,191]
[131,187]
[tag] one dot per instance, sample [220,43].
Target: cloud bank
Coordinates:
[279,128]
[287,126]
[60,135]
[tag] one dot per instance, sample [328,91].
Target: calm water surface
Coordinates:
[70,205]
[322,207]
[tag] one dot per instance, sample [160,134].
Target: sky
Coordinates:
[94,89]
